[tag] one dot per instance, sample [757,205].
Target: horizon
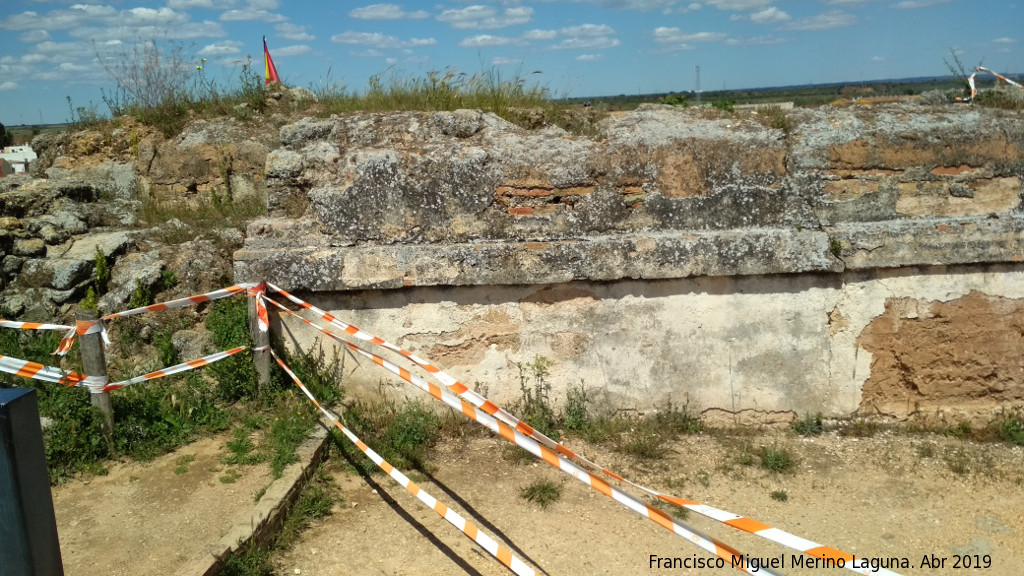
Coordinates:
[54,49]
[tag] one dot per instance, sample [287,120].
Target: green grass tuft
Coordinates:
[542,493]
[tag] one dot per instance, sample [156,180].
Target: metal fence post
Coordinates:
[28,528]
[94,363]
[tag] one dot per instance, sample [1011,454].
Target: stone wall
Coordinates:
[840,262]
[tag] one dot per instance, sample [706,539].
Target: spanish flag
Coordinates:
[268,65]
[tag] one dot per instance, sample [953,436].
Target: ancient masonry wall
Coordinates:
[851,261]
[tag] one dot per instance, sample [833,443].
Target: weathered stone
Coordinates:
[283,164]
[9,223]
[29,247]
[138,269]
[460,123]
[58,273]
[111,244]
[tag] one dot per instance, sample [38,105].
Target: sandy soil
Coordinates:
[891,495]
[144,518]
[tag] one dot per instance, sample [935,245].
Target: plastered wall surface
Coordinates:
[750,349]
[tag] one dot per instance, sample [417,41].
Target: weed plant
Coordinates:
[780,495]
[541,492]
[777,459]
[402,434]
[534,404]
[810,425]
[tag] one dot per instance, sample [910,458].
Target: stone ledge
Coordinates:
[262,522]
[653,256]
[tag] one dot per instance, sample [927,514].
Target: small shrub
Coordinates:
[576,417]
[168,279]
[542,493]
[141,296]
[1012,430]
[724,105]
[101,272]
[811,425]
[780,495]
[534,404]
[776,459]
[228,323]
[675,100]
[835,247]
[644,444]
[960,430]
[90,302]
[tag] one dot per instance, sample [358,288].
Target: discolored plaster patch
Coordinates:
[467,345]
[962,355]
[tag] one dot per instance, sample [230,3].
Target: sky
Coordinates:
[54,49]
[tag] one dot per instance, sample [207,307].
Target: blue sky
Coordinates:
[51,49]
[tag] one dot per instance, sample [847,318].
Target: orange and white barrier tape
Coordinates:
[82,327]
[176,369]
[726,553]
[749,525]
[187,301]
[39,371]
[34,326]
[729,555]
[503,554]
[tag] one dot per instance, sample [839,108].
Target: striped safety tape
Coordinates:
[657,516]
[34,326]
[38,371]
[177,368]
[731,556]
[188,301]
[503,554]
[82,327]
[749,525]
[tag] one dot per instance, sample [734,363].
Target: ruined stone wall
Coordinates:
[864,259]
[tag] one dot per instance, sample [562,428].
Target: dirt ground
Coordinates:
[891,495]
[151,517]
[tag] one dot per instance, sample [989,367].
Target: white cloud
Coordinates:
[826,21]
[293,32]
[665,35]
[293,50]
[77,15]
[540,35]
[588,30]
[912,5]
[33,36]
[371,53]
[1004,40]
[207,4]
[739,5]
[502,61]
[879,59]
[484,41]
[589,58]
[485,17]
[770,15]
[756,41]
[193,30]
[386,12]
[8,86]
[221,48]
[689,8]
[263,4]
[379,41]
[585,43]
[248,14]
